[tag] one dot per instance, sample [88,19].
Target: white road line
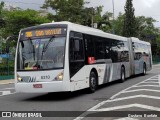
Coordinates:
[150,90]
[135,96]
[103,102]
[129,106]
[7,88]
[7,94]
[146,86]
[151,82]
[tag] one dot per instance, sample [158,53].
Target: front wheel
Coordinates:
[92,82]
[123,77]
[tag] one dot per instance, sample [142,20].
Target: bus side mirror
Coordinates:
[75,43]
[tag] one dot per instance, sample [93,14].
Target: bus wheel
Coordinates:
[123,77]
[92,82]
[144,69]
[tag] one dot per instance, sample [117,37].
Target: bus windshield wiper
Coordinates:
[45,47]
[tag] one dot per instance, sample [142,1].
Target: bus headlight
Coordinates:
[59,76]
[19,79]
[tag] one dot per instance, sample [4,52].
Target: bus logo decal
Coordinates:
[32,79]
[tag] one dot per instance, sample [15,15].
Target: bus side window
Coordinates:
[107,48]
[99,48]
[76,49]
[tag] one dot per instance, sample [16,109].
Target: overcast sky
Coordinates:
[149,8]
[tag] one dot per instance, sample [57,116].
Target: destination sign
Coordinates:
[44,32]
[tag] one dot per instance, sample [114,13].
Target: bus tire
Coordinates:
[123,75]
[144,69]
[92,82]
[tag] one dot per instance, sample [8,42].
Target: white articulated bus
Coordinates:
[64,56]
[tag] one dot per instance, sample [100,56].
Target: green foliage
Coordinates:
[74,11]
[146,28]
[18,19]
[129,27]
[118,24]
[104,23]
[66,10]
[1,14]
[4,67]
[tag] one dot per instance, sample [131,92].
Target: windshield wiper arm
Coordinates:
[45,47]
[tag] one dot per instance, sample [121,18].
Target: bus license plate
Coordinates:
[37,85]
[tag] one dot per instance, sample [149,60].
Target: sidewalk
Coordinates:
[11,81]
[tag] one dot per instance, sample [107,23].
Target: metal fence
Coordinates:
[156,59]
[7,68]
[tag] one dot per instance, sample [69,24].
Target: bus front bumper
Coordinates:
[40,87]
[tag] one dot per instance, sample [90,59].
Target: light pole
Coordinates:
[1,44]
[0,49]
[113,18]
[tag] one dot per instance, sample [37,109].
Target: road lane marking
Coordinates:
[151,82]
[151,90]
[129,106]
[134,96]
[6,92]
[146,86]
[114,96]
[7,88]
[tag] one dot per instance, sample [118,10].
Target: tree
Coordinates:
[66,10]
[2,22]
[118,24]
[106,23]
[19,19]
[146,30]
[129,27]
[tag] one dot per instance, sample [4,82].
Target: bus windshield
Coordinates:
[41,53]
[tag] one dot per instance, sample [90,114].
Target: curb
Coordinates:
[156,65]
[4,82]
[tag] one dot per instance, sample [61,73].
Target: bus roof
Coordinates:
[88,30]
[139,41]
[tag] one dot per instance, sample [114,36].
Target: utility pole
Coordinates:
[1,44]
[0,49]
[92,9]
[113,18]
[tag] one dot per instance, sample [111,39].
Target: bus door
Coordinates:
[76,56]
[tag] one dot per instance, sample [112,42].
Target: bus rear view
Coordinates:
[40,59]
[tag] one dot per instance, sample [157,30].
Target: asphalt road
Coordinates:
[140,93]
